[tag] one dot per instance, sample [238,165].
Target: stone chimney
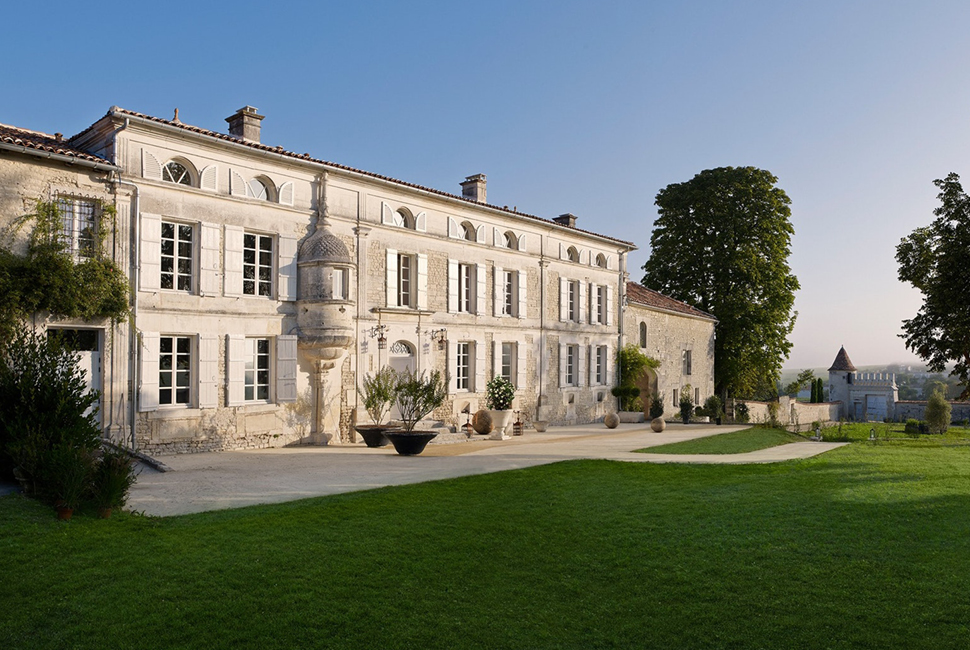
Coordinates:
[473,187]
[568,220]
[244,124]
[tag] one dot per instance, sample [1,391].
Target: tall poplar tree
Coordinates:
[721,243]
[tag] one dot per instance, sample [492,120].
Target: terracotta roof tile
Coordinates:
[44,142]
[842,362]
[639,294]
[305,156]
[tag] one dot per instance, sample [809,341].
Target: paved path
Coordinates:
[212,481]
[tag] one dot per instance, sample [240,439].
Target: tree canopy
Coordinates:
[721,243]
[934,260]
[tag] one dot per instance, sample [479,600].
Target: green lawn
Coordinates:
[737,442]
[867,546]
[894,433]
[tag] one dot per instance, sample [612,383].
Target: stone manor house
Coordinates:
[266,283]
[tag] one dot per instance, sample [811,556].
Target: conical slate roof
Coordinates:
[842,362]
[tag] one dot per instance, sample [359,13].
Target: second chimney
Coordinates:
[244,124]
[568,220]
[473,187]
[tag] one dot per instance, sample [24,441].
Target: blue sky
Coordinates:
[589,108]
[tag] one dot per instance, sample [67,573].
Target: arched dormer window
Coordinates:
[509,240]
[572,254]
[468,231]
[255,189]
[178,172]
[643,334]
[601,261]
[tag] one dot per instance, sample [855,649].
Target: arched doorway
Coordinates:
[401,358]
[647,383]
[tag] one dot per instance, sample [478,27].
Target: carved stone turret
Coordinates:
[326,300]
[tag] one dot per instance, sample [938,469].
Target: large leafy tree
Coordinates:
[934,260]
[721,243]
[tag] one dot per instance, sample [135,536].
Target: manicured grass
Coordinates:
[867,546]
[894,433]
[737,442]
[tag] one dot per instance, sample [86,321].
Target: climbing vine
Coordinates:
[48,278]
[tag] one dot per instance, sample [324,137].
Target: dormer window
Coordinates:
[468,231]
[601,261]
[572,254]
[175,172]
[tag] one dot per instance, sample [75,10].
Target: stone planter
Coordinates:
[373,434]
[658,424]
[409,444]
[501,420]
[540,425]
[631,416]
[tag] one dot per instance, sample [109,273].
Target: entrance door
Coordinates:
[875,408]
[401,359]
[87,343]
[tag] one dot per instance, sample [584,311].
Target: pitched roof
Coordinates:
[842,362]
[639,294]
[35,141]
[280,151]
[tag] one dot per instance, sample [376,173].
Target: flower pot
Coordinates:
[658,424]
[373,434]
[501,420]
[410,444]
[104,513]
[540,425]
[630,416]
[64,513]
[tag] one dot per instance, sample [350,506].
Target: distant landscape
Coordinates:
[914,380]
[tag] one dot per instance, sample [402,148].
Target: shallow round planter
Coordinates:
[658,424]
[630,416]
[409,444]
[501,420]
[540,425]
[373,434]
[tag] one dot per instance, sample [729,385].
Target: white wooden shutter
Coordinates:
[232,276]
[563,255]
[497,237]
[520,365]
[285,369]
[609,367]
[480,294]
[523,289]
[237,184]
[209,260]
[583,256]
[452,286]
[150,167]
[498,290]
[522,242]
[453,229]
[563,299]
[581,362]
[562,365]
[387,214]
[208,371]
[148,381]
[285,193]
[422,280]
[287,265]
[479,386]
[582,302]
[452,367]
[237,353]
[496,358]
[150,259]
[421,222]
[609,306]
[209,178]
[591,368]
[391,277]
[609,262]
[480,234]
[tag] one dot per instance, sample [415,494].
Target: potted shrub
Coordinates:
[379,392]
[657,422]
[499,393]
[68,477]
[417,395]
[686,404]
[714,408]
[114,474]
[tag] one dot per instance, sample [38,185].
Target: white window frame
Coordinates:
[405,280]
[466,288]
[463,365]
[80,220]
[508,357]
[601,304]
[176,275]
[509,291]
[253,285]
[258,381]
[173,373]
[572,293]
[572,364]
[184,177]
[601,361]
[341,283]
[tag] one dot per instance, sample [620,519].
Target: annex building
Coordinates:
[266,283]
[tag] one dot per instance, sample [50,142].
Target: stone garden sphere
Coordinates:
[612,420]
[482,422]
[658,424]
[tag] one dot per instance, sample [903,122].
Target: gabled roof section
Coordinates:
[35,142]
[279,151]
[842,362]
[641,295]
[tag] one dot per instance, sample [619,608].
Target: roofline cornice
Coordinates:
[59,157]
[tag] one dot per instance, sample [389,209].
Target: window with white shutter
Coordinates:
[286,350]
[150,258]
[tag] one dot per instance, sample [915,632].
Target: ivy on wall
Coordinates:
[48,278]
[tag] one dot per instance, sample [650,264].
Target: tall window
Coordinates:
[174,172]
[257,370]
[574,300]
[508,308]
[601,365]
[257,265]
[687,362]
[643,334]
[176,256]
[403,280]
[572,363]
[174,370]
[340,284]
[463,365]
[508,361]
[599,305]
[79,226]
[466,288]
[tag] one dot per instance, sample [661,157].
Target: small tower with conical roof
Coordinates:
[840,378]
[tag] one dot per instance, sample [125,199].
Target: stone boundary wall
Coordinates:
[917,411]
[794,415]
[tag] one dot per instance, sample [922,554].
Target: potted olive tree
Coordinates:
[379,392]
[417,395]
[657,422]
[714,408]
[499,393]
[686,404]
